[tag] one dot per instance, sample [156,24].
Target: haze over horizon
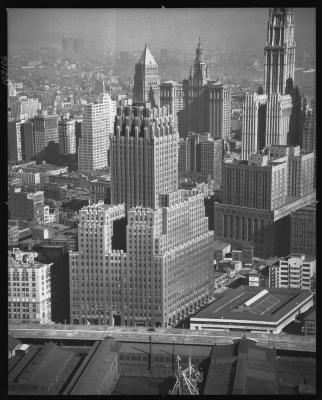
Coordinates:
[130,29]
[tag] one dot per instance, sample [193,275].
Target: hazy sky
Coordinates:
[127,29]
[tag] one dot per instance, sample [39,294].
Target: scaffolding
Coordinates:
[187,379]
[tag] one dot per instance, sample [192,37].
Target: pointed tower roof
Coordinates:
[147,57]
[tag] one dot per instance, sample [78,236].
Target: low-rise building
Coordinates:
[249,308]
[294,271]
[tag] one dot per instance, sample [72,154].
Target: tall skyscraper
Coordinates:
[211,159]
[67,136]
[219,100]
[45,130]
[164,276]
[94,143]
[207,103]
[172,96]
[146,80]
[276,101]
[279,50]
[14,140]
[144,157]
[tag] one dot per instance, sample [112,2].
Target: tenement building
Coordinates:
[165,275]
[144,157]
[266,115]
[259,195]
[29,288]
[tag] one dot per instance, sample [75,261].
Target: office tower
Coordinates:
[211,159]
[23,107]
[194,93]
[146,80]
[29,288]
[259,195]
[67,45]
[67,137]
[26,206]
[253,123]
[45,130]
[279,50]
[207,103]
[184,155]
[219,100]
[144,157]
[14,140]
[309,128]
[165,275]
[294,271]
[258,183]
[172,96]
[94,143]
[303,231]
[278,79]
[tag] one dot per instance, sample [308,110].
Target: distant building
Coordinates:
[309,129]
[303,231]
[67,136]
[250,308]
[94,142]
[68,45]
[14,141]
[294,271]
[26,206]
[211,159]
[27,140]
[78,46]
[146,80]
[45,131]
[23,107]
[13,233]
[29,290]
[100,190]
[172,96]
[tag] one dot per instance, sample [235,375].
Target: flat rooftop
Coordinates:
[253,303]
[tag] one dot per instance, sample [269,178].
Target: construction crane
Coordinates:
[187,380]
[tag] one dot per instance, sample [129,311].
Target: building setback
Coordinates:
[165,275]
[29,288]
[266,115]
[144,157]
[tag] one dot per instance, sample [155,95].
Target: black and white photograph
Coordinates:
[161,200]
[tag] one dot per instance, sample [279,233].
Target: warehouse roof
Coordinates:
[253,303]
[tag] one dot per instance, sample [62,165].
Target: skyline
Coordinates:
[105,27]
